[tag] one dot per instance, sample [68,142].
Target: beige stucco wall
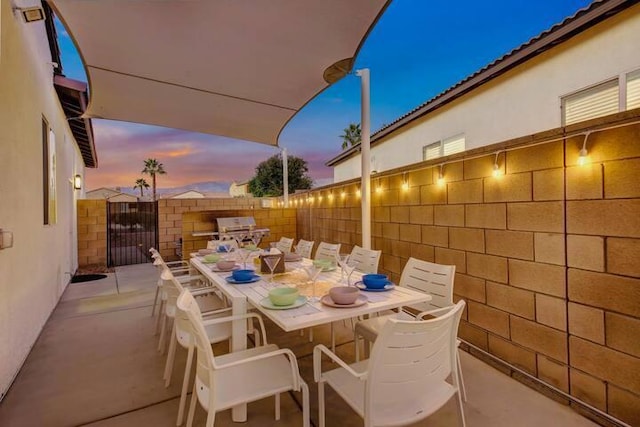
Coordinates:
[34,273]
[523,101]
[547,255]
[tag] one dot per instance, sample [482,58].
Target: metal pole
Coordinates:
[285,177]
[365,153]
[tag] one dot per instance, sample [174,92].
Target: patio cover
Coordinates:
[235,68]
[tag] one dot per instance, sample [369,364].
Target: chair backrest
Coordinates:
[284,244]
[327,251]
[204,360]
[304,248]
[409,360]
[433,279]
[365,260]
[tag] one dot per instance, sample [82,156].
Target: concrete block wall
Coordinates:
[170,213]
[280,222]
[92,233]
[547,254]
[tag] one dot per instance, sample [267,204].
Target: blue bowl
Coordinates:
[375,281]
[243,275]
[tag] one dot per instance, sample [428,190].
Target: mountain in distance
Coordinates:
[203,187]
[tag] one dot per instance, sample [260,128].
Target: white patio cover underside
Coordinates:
[237,68]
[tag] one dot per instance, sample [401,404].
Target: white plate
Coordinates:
[361,300]
[217,270]
[363,287]
[233,281]
[266,303]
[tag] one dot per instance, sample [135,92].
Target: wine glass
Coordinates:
[272,261]
[244,254]
[349,268]
[313,271]
[342,260]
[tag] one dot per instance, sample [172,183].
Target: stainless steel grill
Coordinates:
[240,228]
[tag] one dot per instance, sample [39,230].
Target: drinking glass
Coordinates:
[313,272]
[272,261]
[342,260]
[244,254]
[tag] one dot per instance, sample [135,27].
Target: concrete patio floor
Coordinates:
[95,364]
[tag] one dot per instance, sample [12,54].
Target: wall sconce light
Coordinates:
[441,175]
[496,167]
[320,198]
[583,156]
[77,182]
[358,193]
[31,14]
[330,195]
[405,182]
[343,194]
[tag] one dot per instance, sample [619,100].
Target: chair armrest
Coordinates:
[293,362]
[214,312]
[434,313]
[317,363]
[203,290]
[239,317]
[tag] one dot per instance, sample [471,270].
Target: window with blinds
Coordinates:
[447,146]
[453,145]
[633,90]
[590,103]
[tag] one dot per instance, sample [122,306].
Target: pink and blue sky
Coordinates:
[417,50]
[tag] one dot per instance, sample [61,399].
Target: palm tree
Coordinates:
[351,135]
[141,183]
[153,167]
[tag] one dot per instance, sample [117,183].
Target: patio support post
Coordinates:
[285,177]
[365,186]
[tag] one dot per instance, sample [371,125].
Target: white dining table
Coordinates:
[312,313]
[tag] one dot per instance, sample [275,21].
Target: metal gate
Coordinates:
[132,228]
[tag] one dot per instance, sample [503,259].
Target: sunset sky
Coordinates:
[417,50]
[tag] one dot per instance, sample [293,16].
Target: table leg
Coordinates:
[239,342]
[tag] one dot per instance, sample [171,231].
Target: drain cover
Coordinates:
[87,277]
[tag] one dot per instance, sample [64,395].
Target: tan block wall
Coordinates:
[92,233]
[547,256]
[181,218]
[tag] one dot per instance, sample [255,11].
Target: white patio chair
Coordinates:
[327,251]
[182,333]
[284,244]
[365,260]
[405,380]
[423,276]
[223,382]
[304,248]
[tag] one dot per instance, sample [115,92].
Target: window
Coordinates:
[48,174]
[633,90]
[596,101]
[447,146]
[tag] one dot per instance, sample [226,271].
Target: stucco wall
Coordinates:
[547,255]
[523,101]
[34,273]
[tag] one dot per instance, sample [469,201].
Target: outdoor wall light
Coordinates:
[77,182]
[358,194]
[496,167]
[379,187]
[441,175]
[31,14]
[320,198]
[330,196]
[583,156]
[343,194]
[405,182]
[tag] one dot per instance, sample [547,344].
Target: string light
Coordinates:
[583,156]
[405,182]
[496,168]
[441,175]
